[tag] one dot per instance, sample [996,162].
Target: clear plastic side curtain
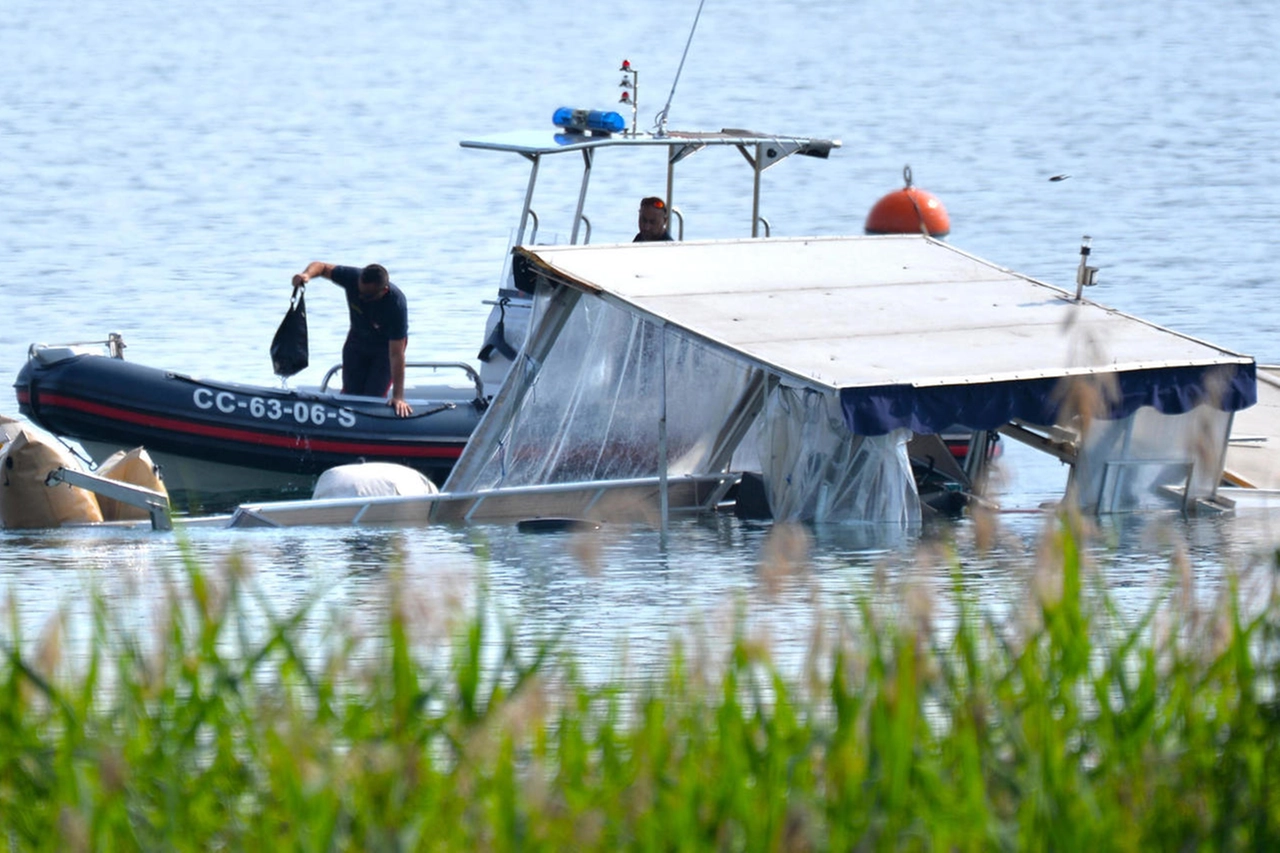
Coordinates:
[591,408]
[584,403]
[816,470]
[1150,460]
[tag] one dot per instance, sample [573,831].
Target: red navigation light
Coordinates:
[626,65]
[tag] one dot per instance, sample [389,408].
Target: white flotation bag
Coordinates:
[372,479]
[135,468]
[26,459]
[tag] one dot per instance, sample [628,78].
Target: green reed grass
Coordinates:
[1072,730]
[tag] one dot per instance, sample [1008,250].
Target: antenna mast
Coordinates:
[662,116]
[630,91]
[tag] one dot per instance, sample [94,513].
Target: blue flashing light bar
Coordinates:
[596,121]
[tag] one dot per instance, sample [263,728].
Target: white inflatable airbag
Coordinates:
[372,479]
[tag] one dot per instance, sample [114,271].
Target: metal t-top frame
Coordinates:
[760,150]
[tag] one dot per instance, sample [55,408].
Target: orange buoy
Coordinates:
[909,210]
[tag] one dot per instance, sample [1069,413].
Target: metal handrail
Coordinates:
[676,212]
[434,365]
[114,346]
[155,504]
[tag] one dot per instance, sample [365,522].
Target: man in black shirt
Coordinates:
[373,356]
[652,221]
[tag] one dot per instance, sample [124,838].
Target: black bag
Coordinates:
[498,338]
[289,347]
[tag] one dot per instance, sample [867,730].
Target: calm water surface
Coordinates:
[166,168]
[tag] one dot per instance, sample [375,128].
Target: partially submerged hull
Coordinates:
[827,396]
[218,443]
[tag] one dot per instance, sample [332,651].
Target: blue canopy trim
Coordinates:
[878,409]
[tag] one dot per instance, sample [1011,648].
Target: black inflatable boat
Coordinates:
[220,443]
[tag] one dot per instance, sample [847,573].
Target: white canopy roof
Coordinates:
[845,312]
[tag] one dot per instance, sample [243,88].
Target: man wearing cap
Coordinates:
[373,356]
[653,221]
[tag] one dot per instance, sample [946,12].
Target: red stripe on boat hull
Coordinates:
[289,442]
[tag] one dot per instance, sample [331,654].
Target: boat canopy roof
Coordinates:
[554,140]
[910,331]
